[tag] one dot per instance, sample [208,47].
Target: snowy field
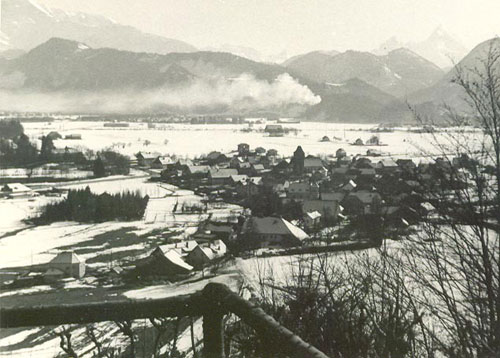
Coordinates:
[193,140]
[39,244]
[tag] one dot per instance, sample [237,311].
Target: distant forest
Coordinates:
[85,206]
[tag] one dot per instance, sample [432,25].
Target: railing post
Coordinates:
[213,334]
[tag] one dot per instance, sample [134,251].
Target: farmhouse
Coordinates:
[196,170]
[362,202]
[163,261]
[327,208]
[202,255]
[145,159]
[312,164]
[161,162]
[273,231]
[221,176]
[69,263]
[274,129]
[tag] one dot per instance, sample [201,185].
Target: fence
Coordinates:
[213,303]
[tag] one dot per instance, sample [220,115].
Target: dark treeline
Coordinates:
[15,146]
[85,206]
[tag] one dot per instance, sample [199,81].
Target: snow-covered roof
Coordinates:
[255,180]
[223,173]
[239,178]
[147,155]
[275,225]
[388,163]
[196,169]
[314,215]
[187,245]
[16,188]
[67,257]
[176,259]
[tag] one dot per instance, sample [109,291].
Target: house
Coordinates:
[301,190]
[358,141]
[274,129]
[17,190]
[163,261]
[235,162]
[362,202]
[312,219]
[67,154]
[387,165]
[243,149]
[239,178]
[312,164]
[221,176]
[69,263]
[327,208]
[251,187]
[145,159]
[196,171]
[202,255]
[245,168]
[161,162]
[273,231]
[257,169]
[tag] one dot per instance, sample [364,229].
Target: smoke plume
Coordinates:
[244,92]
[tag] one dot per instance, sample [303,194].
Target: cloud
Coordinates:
[244,92]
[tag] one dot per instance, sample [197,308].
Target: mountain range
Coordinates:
[398,73]
[62,66]
[26,24]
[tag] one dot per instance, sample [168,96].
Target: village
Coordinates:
[289,205]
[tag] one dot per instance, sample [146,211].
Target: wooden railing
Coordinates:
[213,303]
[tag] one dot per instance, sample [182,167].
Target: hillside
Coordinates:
[398,73]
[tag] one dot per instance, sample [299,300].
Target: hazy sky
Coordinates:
[271,26]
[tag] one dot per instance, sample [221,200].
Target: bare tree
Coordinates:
[126,329]
[455,262]
[66,343]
